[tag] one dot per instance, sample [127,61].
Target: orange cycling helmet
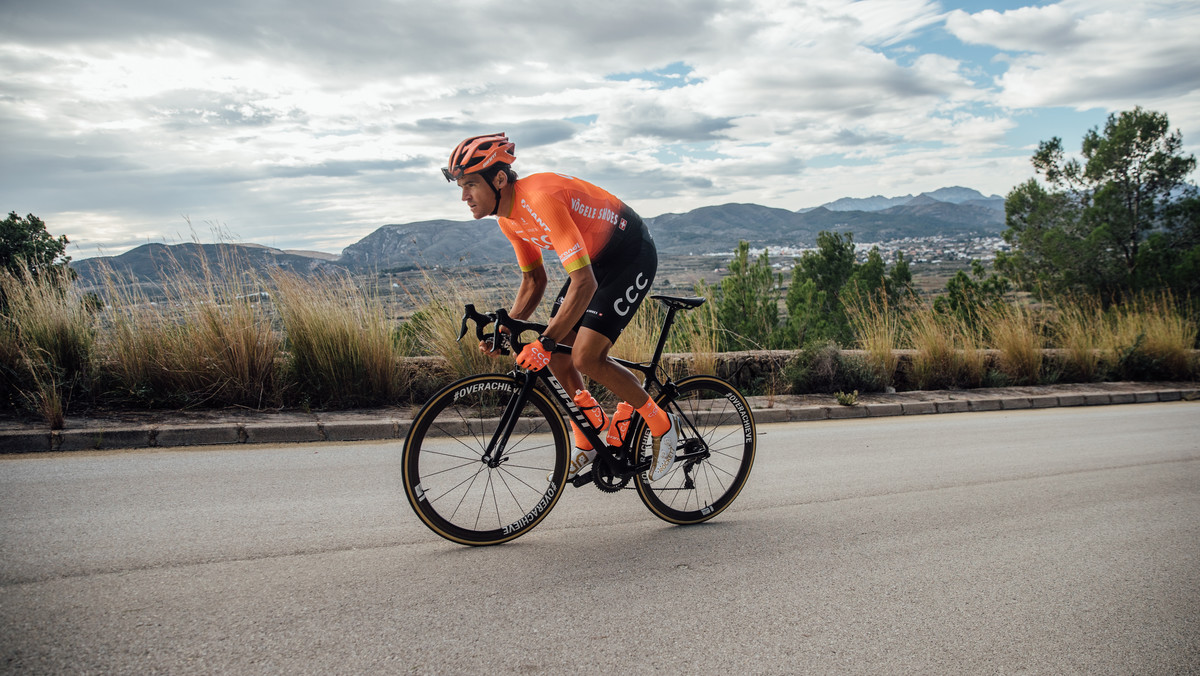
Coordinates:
[478,153]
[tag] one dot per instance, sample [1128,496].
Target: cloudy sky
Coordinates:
[307,124]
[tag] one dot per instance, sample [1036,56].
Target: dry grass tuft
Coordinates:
[50,340]
[877,326]
[340,346]
[935,363]
[1078,330]
[210,342]
[1152,337]
[1013,329]
[433,328]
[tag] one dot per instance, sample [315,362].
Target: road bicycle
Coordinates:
[486,458]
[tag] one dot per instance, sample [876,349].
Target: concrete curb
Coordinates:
[29,439]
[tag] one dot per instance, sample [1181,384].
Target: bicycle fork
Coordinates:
[493,455]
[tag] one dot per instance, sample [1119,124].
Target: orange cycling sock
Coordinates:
[655,418]
[581,441]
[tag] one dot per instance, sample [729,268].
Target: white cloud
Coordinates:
[1027,29]
[312,126]
[1090,54]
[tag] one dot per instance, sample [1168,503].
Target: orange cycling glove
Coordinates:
[534,357]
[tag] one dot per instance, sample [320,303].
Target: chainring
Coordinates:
[605,479]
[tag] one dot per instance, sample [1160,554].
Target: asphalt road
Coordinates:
[1044,541]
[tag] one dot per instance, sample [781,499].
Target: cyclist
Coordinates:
[610,259]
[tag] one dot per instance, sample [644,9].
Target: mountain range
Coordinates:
[707,230]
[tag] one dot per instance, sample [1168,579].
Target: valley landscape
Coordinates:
[939,232]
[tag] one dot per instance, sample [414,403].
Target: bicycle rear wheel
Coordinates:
[450,484]
[716,452]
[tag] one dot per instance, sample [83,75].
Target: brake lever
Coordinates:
[462,329]
[481,321]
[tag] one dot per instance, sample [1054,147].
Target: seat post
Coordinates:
[662,335]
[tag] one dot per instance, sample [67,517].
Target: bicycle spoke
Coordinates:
[453,456]
[450,469]
[475,451]
[465,493]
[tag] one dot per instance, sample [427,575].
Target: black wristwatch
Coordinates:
[548,343]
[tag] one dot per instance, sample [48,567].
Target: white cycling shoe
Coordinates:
[579,459]
[664,450]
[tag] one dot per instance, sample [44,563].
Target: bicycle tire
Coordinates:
[715,417]
[458,495]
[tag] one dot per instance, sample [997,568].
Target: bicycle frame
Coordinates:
[624,464]
[478,451]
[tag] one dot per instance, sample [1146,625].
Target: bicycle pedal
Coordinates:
[581,480]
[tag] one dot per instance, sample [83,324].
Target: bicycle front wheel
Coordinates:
[466,479]
[715,452]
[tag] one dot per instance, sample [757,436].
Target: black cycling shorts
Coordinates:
[624,271]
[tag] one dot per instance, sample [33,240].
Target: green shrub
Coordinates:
[827,369]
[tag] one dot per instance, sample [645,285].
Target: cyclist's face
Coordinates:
[478,195]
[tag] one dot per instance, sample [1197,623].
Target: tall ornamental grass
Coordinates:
[1078,331]
[1013,329]
[947,351]
[209,342]
[432,330]
[50,341]
[877,326]
[1152,338]
[340,343]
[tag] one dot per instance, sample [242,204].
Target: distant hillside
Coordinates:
[705,230]
[715,229]
[150,263]
[429,243]
[720,228]
[954,195]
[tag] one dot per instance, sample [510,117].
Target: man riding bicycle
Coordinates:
[610,259]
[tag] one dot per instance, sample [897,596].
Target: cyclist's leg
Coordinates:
[590,355]
[624,281]
[561,364]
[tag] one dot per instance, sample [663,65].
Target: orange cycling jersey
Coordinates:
[571,217]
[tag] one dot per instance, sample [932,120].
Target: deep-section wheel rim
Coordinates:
[450,485]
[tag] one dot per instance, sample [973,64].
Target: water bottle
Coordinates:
[620,424]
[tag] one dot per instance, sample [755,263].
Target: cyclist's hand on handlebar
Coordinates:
[495,344]
[489,347]
[534,357]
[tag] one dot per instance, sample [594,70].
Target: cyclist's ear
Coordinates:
[500,180]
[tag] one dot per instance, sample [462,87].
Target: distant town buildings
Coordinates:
[935,249]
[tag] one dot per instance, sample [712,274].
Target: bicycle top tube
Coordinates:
[516,327]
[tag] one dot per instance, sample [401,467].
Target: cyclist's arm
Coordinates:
[529,294]
[579,295]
